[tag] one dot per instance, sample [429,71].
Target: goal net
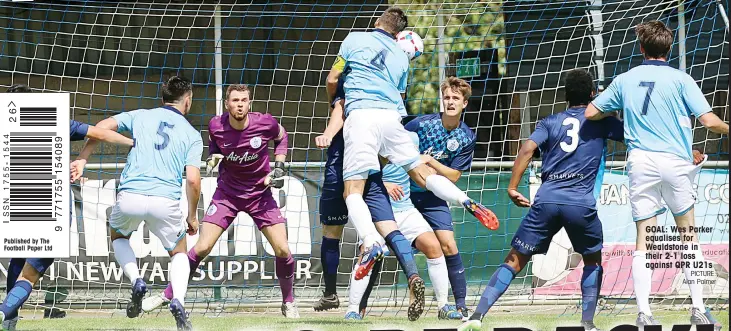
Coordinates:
[112,58]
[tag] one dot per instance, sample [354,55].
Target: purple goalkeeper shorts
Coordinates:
[263,210]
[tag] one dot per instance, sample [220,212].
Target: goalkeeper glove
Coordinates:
[212,162]
[275,178]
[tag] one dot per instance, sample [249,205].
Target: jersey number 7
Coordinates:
[650,86]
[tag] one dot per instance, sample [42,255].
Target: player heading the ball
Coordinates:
[150,189]
[658,102]
[376,79]
[239,146]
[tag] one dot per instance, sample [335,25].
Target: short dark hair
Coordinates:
[19,88]
[394,20]
[656,39]
[237,87]
[175,88]
[579,85]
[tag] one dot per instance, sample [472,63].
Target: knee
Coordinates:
[449,247]
[332,231]
[281,251]
[433,252]
[202,249]
[593,259]
[516,260]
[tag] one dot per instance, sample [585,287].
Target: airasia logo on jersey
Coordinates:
[232,157]
[438,155]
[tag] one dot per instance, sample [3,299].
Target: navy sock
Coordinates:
[15,299]
[402,249]
[14,269]
[591,284]
[330,257]
[457,279]
[498,284]
[371,282]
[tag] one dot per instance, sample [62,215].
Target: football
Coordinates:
[411,43]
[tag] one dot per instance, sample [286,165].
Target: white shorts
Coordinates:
[162,216]
[372,132]
[411,224]
[654,177]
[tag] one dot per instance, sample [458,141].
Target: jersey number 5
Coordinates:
[165,137]
[572,133]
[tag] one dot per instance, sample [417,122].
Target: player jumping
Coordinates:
[150,188]
[239,141]
[448,144]
[658,102]
[376,72]
[333,210]
[23,274]
[420,235]
[573,151]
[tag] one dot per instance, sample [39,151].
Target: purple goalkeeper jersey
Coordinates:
[245,153]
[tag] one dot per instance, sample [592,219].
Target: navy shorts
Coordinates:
[435,211]
[41,265]
[544,220]
[333,210]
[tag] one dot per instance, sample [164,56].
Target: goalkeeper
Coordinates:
[239,141]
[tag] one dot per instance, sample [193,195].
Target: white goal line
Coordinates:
[475,165]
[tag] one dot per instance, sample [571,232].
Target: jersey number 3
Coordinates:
[165,137]
[572,133]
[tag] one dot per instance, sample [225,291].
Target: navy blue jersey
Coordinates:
[337,146]
[452,148]
[78,130]
[573,151]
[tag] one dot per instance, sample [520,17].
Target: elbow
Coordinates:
[592,114]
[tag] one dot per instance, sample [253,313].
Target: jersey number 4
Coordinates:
[572,133]
[379,61]
[165,137]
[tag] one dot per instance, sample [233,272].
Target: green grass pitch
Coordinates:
[334,322]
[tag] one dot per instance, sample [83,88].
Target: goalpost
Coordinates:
[113,57]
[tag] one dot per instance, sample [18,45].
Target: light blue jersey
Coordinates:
[164,144]
[376,72]
[398,175]
[658,101]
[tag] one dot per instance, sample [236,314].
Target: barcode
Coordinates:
[38,116]
[31,176]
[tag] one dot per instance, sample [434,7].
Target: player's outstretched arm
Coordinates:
[334,124]
[105,129]
[521,163]
[193,192]
[713,123]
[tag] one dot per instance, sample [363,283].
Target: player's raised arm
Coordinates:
[334,76]
[337,118]
[106,129]
[697,104]
[606,104]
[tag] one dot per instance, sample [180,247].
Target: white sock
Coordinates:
[360,216]
[126,258]
[357,290]
[642,278]
[178,275]
[445,189]
[439,279]
[696,289]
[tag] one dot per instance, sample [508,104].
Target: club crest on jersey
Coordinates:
[255,142]
[452,145]
[211,210]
